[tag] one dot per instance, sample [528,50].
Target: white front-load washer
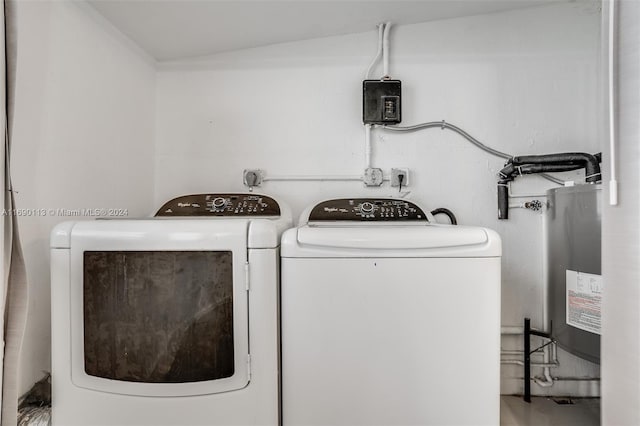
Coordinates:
[171,320]
[388,319]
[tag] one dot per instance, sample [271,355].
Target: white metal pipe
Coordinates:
[367,127]
[527,195]
[367,146]
[506,352]
[507,330]
[543,383]
[545,300]
[548,380]
[512,195]
[385,50]
[613,182]
[547,383]
[511,330]
[533,364]
[511,361]
[511,352]
[518,206]
[313,178]
[576,379]
[379,52]
[343,178]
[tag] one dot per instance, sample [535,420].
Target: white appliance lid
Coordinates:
[380,240]
[391,236]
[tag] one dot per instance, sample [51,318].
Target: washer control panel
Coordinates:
[367,209]
[220,205]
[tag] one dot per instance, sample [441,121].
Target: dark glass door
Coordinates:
[158,316]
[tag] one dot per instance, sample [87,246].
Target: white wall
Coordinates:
[525,82]
[621,237]
[83,138]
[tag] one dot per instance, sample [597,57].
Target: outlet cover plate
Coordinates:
[395,177]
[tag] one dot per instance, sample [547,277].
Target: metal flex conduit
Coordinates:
[444,125]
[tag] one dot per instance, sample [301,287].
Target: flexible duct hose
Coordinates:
[447,212]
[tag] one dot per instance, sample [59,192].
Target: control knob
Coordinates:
[219,202]
[366,208]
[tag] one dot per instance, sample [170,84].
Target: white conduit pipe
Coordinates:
[385,51]
[379,52]
[613,182]
[367,146]
[312,178]
[367,140]
[367,127]
[303,178]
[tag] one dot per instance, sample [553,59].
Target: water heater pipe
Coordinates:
[515,195]
[530,164]
[561,161]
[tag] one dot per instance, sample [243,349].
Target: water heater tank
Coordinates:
[573,258]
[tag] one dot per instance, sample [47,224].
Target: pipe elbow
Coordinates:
[592,169]
[503,200]
[507,171]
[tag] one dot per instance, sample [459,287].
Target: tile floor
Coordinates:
[544,411]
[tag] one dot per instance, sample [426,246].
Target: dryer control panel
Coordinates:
[367,209]
[220,205]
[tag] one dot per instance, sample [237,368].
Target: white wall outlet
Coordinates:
[395,177]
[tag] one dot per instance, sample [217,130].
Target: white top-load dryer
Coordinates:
[171,320]
[388,319]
